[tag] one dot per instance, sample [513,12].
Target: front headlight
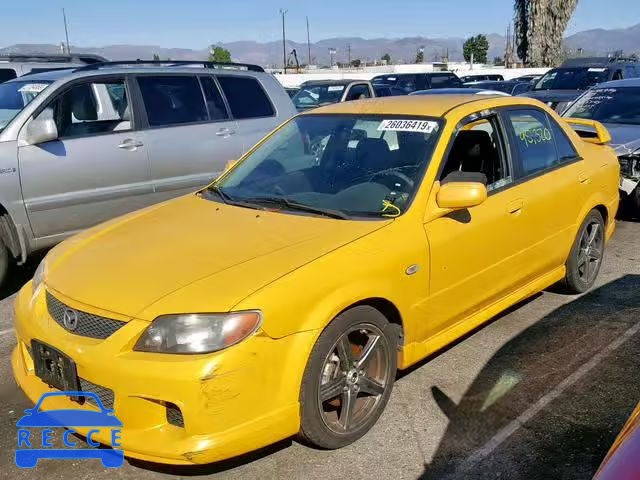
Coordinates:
[38,275]
[198,333]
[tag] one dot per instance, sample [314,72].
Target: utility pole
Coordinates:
[283,12]
[349,54]
[308,44]
[66,31]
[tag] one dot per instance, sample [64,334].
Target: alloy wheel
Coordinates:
[590,252]
[353,378]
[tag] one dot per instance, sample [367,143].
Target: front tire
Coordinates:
[586,254]
[348,378]
[634,202]
[5,260]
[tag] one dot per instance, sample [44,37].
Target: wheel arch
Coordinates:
[11,235]
[388,309]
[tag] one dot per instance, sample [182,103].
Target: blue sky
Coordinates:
[196,23]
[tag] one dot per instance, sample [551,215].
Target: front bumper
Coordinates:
[232,402]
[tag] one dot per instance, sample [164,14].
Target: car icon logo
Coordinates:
[70,319]
[27,454]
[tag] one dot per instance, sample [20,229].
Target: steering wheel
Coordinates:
[394,174]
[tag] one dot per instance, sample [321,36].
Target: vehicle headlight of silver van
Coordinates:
[198,332]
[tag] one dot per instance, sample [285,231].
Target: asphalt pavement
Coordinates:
[538,393]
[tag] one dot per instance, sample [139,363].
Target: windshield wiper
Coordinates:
[293,205]
[218,191]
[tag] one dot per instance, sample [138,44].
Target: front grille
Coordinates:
[174,415]
[87,324]
[104,394]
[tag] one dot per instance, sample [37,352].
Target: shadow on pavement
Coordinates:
[19,275]
[551,401]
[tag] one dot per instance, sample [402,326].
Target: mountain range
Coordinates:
[401,50]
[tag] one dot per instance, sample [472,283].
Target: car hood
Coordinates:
[128,264]
[625,139]
[553,95]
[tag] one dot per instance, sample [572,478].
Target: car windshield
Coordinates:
[340,166]
[14,96]
[608,105]
[312,96]
[572,78]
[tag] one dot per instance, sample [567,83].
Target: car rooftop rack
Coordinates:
[172,63]
[597,61]
[87,58]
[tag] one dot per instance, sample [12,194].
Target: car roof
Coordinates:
[80,72]
[419,105]
[627,82]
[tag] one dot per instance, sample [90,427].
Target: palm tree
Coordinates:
[539,28]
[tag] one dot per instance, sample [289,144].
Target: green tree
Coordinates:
[498,61]
[356,62]
[156,57]
[387,58]
[220,55]
[539,30]
[420,56]
[478,46]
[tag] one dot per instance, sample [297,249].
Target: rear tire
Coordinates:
[348,378]
[585,259]
[634,203]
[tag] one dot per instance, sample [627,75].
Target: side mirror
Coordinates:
[41,130]
[461,195]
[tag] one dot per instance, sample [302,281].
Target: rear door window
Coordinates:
[246,97]
[215,104]
[172,100]
[535,141]
[444,81]
[7,74]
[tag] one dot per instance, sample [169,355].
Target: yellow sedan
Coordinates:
[353,241]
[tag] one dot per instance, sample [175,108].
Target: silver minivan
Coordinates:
[78,147]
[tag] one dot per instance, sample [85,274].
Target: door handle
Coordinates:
[225,132]
[130,144]
[584,177]
[515,207]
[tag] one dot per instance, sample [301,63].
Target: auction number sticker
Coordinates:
[33,88]
[422,126]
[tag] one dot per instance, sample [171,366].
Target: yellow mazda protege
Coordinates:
[354,240]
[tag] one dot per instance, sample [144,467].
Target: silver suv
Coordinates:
[78,147]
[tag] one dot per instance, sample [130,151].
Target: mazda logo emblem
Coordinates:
[70,319]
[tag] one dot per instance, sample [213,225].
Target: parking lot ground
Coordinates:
[538,393]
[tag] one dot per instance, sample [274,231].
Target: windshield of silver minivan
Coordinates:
[14,96]
[340,166]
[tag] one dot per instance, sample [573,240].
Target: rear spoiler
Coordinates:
[590,130]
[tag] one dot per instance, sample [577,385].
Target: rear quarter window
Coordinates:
[246,97]
[7,74]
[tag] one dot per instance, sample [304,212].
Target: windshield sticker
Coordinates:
[33,88]
[421,126]
[335,88]
[597,69]
[535,136]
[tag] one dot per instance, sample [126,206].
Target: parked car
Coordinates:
[316,93]
[482,77]
[411,82]
[78,147]
[511,87]
[283,297]
[15,65]
[459,91]
[617,105]
[560,86]
[622,461]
